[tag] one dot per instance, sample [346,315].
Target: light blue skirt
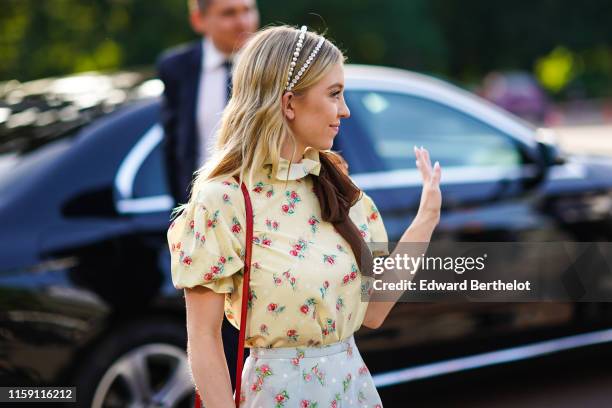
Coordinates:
[333,376]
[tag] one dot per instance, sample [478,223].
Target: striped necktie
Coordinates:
[228,79]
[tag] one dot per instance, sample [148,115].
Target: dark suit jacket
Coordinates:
[179,68]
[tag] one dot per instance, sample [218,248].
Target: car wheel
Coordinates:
[143,364]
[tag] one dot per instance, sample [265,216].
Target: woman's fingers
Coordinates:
[423,164]
[437,173]
[427,159]
[420,163]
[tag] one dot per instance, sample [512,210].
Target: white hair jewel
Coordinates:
[298,48]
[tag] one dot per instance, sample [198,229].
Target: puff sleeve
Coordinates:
[206,240]
[376,227]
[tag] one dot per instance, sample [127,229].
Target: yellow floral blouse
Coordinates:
[305,287]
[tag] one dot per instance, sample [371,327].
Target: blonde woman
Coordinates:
[310,222]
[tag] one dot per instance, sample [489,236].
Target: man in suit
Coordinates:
[196,81]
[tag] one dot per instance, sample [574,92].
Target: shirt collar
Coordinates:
[310,164]
[212,57]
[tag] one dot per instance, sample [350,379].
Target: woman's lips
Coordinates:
[335,127]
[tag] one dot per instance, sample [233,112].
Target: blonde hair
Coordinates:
[253,127]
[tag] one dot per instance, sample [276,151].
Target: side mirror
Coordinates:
[549,147]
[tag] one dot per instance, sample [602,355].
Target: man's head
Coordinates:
[227,23]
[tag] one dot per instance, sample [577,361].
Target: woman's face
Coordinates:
[314,116]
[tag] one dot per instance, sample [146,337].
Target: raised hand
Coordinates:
[431,196]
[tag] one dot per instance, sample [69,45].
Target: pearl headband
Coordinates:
[298,48]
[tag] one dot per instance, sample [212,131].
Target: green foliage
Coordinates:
[460,40]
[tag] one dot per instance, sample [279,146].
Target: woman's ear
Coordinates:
[287,102]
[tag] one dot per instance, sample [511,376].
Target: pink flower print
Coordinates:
[292,334]
[319,375]
[266,242]
[334,403]
[202,239]
[296,360]
[330,327]
[374,214]
[339,303]
[290,278]
[208,276]
[324,288]
[314,223]
[191,224]
[226,198]
[363,370]
[292,198]
[281,398]
[252,296]
[269,193]
[329,259]
[307,404]
[178,245]
[298,248]
[346,382]
[271,224]
[187,260]
[222,259]
[275,308]
[263,329]
[306,307]
[262,371]
[307,376]
[231,184]
[212,222]
[349,350]
[363,230]
[214,269]
[277,281]
[258,187]
[197,235]
[236,227]
[350,276]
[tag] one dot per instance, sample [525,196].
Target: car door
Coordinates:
[489,178]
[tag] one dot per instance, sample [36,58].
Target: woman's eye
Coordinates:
[335,93]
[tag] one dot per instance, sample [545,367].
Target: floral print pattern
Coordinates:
[305,284]
[308,377]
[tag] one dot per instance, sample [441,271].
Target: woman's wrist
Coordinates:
[422,227]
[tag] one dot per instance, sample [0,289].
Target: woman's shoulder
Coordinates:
[217,191]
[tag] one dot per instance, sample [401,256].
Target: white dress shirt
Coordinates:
[211,97]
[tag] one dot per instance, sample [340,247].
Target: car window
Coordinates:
[150,179]
[394,122]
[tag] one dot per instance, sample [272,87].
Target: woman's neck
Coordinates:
[287,151]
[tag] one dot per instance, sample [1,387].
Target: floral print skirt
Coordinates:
[332,375]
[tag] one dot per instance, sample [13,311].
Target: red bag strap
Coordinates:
[245,295]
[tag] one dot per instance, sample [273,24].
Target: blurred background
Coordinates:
[66,63]
[550,61]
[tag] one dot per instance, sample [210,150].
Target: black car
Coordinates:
[86,297]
